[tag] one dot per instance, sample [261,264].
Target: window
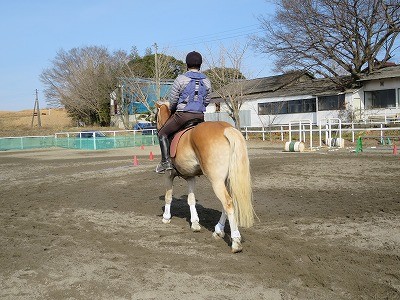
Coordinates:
[295,106]
[380,99]
[287,107]
[273,108]
[263,109]
[309,105]
[334,102]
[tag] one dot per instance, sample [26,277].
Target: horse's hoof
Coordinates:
[236,245]
[166,221]
[196,227]
[219,235]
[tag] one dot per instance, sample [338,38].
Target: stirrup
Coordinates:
[164,166]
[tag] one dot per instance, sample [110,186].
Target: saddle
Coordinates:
[175,139]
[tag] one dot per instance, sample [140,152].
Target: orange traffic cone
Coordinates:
[395,149]
[142,147]
[151,157]
[135,161]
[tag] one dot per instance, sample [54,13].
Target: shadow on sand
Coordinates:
[208,217]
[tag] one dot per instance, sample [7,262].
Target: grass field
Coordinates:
[19,123]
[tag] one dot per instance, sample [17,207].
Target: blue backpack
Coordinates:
[194,93]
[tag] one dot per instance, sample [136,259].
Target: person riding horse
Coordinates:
[189,96]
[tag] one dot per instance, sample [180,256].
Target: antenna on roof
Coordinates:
[36,111]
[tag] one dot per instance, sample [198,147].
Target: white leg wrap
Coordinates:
[193,213]
[219,228]
[167,212]
[235,234]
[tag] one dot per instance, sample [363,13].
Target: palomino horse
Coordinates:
[218,151]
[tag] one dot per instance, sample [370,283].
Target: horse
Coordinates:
[218,151]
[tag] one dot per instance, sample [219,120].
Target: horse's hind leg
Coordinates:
[194,218]
[219,232]
[227,203]
[169,179]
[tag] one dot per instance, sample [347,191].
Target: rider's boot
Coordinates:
[166,163]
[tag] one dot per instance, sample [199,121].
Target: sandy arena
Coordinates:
[87,225]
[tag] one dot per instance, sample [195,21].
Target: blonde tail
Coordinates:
[239,179]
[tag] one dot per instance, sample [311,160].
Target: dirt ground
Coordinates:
[87,225]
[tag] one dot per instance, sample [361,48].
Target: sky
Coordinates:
[32,32]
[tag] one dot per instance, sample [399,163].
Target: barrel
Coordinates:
[336,142]
[294,146]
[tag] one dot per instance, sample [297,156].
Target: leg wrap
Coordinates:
[167,212]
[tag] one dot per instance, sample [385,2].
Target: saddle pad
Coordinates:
[175,141]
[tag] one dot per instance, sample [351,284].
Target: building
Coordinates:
[134,98]
[297,96]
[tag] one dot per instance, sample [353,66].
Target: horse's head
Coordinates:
[163,114]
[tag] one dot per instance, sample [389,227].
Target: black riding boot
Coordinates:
[165,163]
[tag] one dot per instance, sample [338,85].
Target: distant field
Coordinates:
[19,123]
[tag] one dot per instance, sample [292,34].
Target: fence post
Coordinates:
[94,141]
[300,133]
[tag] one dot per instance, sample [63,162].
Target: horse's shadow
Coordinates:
[208,217]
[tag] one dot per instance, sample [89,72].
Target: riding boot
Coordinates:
[166,163]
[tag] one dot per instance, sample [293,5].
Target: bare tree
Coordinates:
[331,37]
[227,79]
[142,78]
[81,80]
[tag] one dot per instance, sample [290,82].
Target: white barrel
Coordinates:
[294,146]
[335,142]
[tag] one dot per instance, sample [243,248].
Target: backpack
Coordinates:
[194,93]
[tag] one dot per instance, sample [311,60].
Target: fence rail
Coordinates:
[74,140]
[305,132]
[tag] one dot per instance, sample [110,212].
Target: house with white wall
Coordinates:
[298,96]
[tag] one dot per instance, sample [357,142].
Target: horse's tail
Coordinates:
[239,179]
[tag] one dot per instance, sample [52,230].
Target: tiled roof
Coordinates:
[387,72]
[292,84]
[297,84]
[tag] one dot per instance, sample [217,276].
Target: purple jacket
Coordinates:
[177,88]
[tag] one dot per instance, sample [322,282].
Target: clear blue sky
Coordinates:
[33,31]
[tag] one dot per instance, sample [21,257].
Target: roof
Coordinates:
[290,84]
[265,84]
[387,72]
[313,87]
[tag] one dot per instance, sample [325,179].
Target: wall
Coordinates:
[382,84]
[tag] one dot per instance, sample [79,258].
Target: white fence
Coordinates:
[304,131]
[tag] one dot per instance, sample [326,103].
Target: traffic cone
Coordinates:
[142,147]
[135,161]
[151,157]
[395,149]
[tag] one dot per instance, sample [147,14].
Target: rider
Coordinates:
[177,104]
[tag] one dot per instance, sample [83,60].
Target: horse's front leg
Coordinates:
[169,180]
[194,217]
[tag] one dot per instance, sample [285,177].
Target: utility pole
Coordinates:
[157,73]
[36,111]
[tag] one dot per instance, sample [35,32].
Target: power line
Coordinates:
[214,37]
[213,34]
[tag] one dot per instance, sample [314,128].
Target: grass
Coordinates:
[19,123]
